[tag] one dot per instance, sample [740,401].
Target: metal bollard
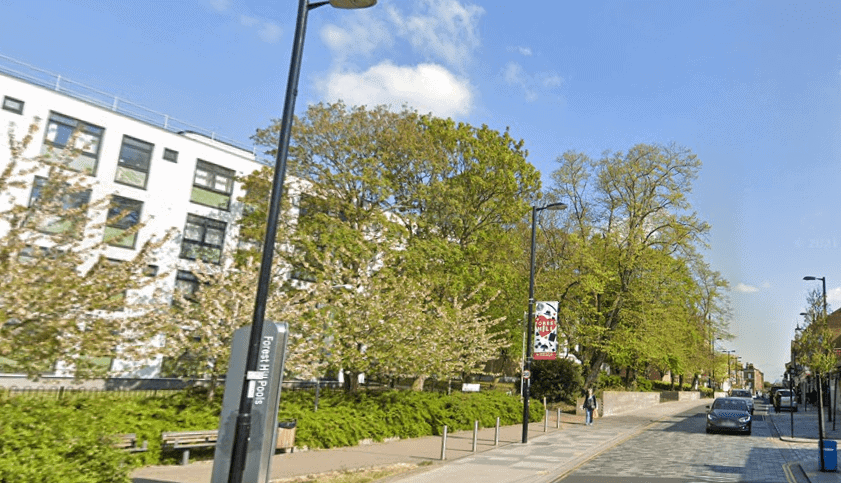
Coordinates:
[475,434]
[496,433]
[545,420]
[558,419]
[444,444]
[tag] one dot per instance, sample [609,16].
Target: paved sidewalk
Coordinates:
[802,437]
[547,455]
[546,458]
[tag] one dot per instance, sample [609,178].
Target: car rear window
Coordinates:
[741,394]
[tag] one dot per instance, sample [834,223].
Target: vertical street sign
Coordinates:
[545,331]
[264,389]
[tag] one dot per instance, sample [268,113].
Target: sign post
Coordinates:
[264,390]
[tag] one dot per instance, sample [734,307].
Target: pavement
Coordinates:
[555,449]
[800,430]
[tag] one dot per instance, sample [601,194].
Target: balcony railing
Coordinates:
[56,82]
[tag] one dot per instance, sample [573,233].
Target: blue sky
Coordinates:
[752,87]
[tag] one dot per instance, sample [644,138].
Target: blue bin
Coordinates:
[830,455]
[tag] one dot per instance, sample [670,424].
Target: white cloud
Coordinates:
[525,51]
[446,31]
[532,85]
[220,5]
[267,30]
[833,298]
[740,287]
[362,35]
[426,88]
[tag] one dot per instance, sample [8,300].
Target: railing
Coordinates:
[63,392]
[56,82]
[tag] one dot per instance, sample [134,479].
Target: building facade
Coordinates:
[162,174]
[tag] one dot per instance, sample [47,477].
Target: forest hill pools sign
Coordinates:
[545,331]
[264,391]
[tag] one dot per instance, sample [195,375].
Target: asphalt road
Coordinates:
[678,450]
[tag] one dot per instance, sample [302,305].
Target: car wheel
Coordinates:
[709,431]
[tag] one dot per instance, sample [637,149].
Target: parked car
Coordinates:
[783,400]
[743,394]
[729,414]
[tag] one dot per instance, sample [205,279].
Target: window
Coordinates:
[12,105]
[61,130]
[123,215]
[170,155]
[133,165]
[213,185]
[186,283]
[59,199]
[203,239]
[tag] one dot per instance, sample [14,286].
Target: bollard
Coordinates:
[475,434]
[444,444]
[558,419]
[545,420]
[496,433]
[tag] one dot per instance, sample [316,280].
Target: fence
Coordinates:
[82,92]
[56,391]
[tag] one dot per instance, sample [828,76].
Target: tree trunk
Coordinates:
[595,368]
[211,391]
[417,385]
[351,381]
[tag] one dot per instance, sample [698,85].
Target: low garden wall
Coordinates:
[680,396]
[618,402]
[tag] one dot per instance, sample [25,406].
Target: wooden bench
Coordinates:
[185,440]
[128,442]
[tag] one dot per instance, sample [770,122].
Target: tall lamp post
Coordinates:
[243,424]
[530,322]
[820,386]
[729,379]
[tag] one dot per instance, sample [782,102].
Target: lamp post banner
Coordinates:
[545,331]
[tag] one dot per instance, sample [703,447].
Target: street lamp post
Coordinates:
[820,386]
[729,379]
[530,322]
[243,424]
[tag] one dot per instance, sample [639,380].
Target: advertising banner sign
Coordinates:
[545,331]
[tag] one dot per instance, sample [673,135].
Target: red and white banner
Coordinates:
[545,331]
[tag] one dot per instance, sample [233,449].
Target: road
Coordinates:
[678,450]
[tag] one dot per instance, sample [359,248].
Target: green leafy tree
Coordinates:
[628,216]
[424,199]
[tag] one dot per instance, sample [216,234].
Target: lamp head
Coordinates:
[553,207]
[809,278]
[352,4]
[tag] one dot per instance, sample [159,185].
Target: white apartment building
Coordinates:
[164,173]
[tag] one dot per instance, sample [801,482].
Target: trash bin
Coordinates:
[286,435]
[830,455]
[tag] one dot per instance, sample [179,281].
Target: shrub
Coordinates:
[557,380]
[58,442]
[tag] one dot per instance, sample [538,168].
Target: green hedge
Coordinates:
[70,440]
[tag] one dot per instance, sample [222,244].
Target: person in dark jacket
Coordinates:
[590,405]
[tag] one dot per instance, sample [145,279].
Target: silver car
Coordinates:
[743,394]
[729,414]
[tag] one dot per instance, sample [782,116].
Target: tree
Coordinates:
[61,300]
[816,346]
[425,199]
[628,215]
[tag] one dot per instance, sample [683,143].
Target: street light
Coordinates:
[820,387]
[243,424]
[729,379]
[530,322]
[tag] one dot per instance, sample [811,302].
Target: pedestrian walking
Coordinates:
[590,405]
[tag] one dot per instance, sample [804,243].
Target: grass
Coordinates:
[364,475]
